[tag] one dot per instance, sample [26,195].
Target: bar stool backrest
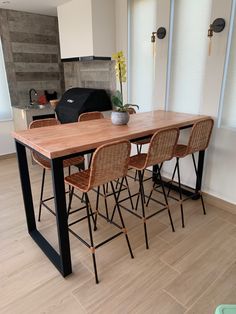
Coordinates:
[94,115]
[200,136]
[43,122]
[109,162]
[38,124]
[162,146]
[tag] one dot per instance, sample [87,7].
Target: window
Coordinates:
[188,55]
[142,22]
[227,113]
[5,102]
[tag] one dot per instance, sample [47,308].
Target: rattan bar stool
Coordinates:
[94,115]
[161,149]
[45,163]
[109,162]
[198,141]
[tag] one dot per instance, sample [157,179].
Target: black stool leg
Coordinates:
[180,192]
[105,200]
[118,195]
[96,209]
[166,200]
[129,193]
[195,168]
[91,238]
[41,194]
[121,219]
[140,174]
[71,192]
[172,178]
[150,195]
[153,186]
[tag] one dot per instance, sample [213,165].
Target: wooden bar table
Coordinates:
[68,140]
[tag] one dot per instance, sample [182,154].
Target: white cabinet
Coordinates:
[87,28]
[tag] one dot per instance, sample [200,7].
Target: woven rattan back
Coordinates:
[131,110]
[109,162]
[43,122]
[94,115]
[38,124]
[200,136]
[162,146]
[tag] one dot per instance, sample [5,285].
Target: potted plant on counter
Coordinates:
[120,113]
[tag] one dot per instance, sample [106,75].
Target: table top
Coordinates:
[65,139]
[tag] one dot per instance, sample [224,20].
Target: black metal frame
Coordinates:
[61,260]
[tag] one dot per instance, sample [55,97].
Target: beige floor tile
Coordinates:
[222,291]
[200,272]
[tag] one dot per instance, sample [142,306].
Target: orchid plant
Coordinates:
[117,98]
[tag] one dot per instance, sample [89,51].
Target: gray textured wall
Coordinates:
[31,52]
[91,74]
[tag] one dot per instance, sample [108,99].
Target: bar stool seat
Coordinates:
[79,180]
[45,163]
[180,150]
[138,161]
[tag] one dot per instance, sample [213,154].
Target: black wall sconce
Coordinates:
[216,27]
[160,34]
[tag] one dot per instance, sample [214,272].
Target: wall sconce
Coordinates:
[216,27]
[160,34]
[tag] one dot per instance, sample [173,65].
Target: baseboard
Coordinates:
[7,156]
[218,202]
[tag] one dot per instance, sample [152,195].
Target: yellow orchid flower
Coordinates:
[120,66]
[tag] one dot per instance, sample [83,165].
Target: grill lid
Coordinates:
[79,100]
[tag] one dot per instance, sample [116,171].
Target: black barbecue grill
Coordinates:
[79,100]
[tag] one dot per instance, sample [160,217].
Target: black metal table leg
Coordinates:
[201,156]
[26,186]
[61,215]
[61,261]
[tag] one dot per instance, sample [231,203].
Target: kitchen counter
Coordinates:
[24,115]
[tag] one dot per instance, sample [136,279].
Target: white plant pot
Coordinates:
[119,118]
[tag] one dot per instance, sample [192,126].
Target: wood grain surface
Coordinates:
[66,139]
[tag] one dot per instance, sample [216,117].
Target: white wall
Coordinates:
[7,145]
[121,28]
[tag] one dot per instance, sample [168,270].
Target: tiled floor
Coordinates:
[189,271]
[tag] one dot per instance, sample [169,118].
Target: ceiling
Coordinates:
[46,7]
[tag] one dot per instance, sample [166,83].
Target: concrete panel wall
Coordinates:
[31,52]
[90,74]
